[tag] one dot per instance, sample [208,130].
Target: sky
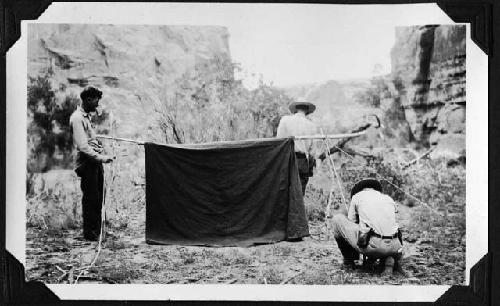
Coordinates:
[286,44]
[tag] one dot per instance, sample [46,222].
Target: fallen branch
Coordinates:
[359,130]
[60,278]
[351,151]
[417,159]
[348,150]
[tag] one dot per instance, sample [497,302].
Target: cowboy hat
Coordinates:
[306,105]
[366,183]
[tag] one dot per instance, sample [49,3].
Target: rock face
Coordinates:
[422,101]
[428,75]
[135,66]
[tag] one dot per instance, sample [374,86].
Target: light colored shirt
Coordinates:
[374,210]
[83,132]
[298,125]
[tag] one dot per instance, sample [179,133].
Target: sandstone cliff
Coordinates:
[428,78]
[422,101]
[136,66]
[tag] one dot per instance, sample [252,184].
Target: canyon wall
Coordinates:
[137,67]
[428,81]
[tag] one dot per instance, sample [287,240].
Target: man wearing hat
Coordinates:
[88,161]
[299,125]
[370,227]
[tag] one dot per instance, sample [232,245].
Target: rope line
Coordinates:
[333,172]
[400,189]
[106,188]
[99,244]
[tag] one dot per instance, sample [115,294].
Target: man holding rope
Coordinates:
[88,162]
[370,227]
[299,125]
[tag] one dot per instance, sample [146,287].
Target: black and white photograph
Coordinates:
[259,144]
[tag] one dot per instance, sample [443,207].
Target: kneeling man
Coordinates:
[370,227]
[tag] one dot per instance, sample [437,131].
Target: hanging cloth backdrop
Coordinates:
[223,194]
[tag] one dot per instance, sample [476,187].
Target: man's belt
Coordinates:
[384,237]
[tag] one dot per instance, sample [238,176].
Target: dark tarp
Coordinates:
[223,194]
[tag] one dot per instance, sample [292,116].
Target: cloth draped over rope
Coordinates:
[237,193]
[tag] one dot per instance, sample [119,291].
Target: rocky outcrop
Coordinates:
[421,102]
[428,74]
[135,66]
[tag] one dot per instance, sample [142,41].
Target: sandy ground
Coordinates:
[56,257]
[434,246]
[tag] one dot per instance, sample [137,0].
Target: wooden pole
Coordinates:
[121,139]
[331,136]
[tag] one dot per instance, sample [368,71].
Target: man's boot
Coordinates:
[348,252]
[349,263]
[388,266]
[397,266]
[368,262]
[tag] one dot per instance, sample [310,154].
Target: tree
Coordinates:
[209,104]
[48,127]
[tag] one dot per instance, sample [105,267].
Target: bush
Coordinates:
[50,141]
[315,201]
[376,168]
[49,135]
[209,104]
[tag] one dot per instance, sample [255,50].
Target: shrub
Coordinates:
[315,201]
[209,104]
[48,129]
[50,141]
[376,168]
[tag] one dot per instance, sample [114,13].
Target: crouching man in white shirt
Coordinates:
[370,227]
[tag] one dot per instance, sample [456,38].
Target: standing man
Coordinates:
[370,227]
[88,162]
[299,125]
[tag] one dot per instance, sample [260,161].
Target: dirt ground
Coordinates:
[434,250]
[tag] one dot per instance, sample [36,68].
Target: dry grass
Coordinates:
[434,246]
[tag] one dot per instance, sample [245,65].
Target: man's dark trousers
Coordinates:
[303,166]
[92,180]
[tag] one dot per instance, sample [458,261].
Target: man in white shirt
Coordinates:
[299,125]
[88,162]
[370,227]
